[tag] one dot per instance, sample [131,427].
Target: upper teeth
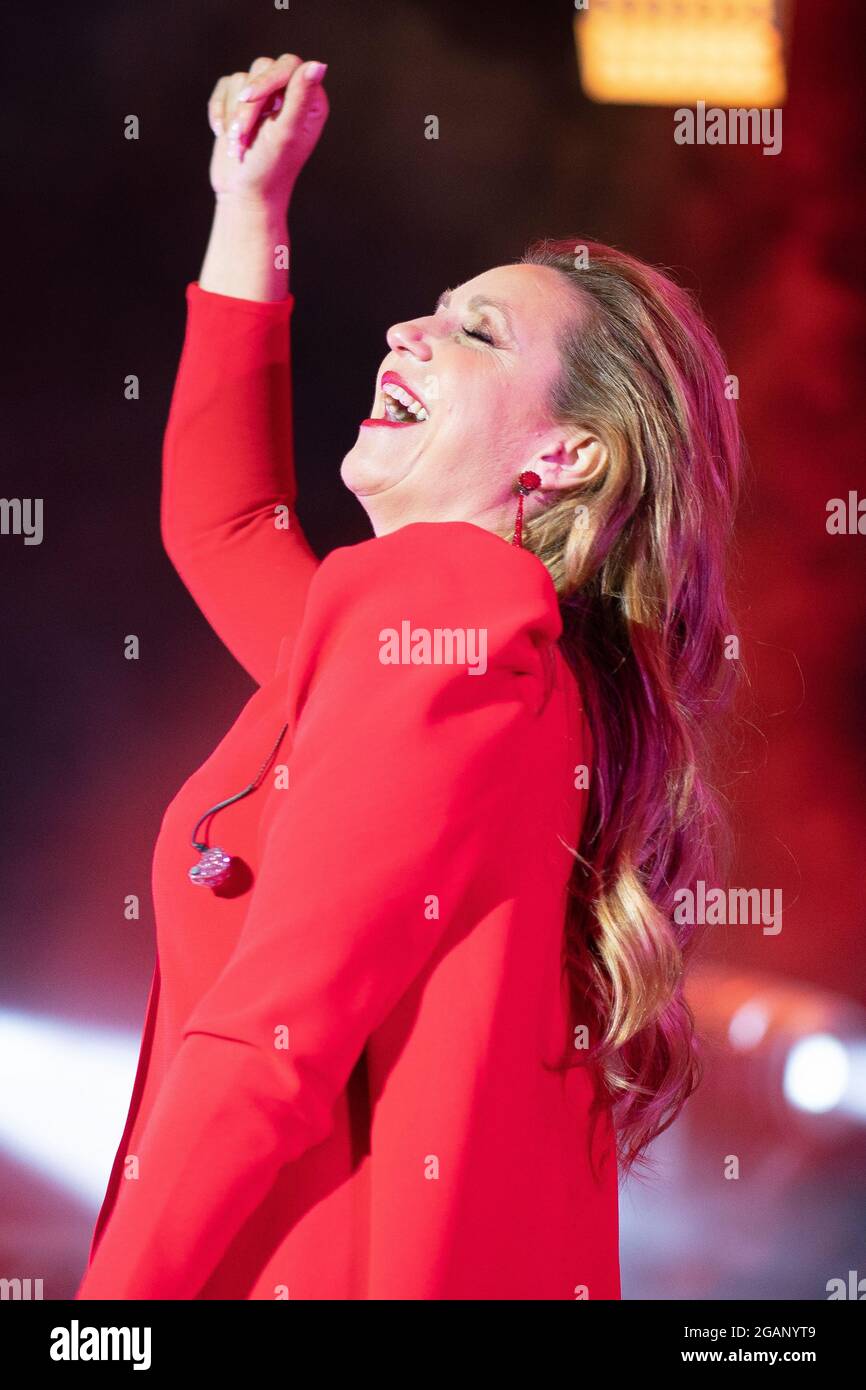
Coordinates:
[397,393]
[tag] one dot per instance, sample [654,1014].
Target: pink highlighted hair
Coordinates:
[638,558]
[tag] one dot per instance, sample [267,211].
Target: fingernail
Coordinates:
[314,72]
[245,94]
[234,128]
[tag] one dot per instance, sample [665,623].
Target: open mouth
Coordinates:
[400,405]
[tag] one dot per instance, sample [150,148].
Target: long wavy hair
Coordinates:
[638,558]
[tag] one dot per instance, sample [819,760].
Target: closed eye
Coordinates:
[479,333]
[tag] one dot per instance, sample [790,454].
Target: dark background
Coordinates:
[102,236]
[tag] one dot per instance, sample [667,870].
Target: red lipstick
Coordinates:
[394,378]
[388,424]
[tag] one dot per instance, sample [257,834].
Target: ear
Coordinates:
[565,460]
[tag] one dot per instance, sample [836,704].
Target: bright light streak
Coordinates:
[64,1096]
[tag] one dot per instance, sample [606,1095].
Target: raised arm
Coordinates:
[227,513]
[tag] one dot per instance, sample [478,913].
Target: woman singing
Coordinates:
[418,995]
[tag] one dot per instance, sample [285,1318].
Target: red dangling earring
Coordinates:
[526,483]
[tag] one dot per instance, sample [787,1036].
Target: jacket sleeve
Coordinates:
[397,829]
[227,467]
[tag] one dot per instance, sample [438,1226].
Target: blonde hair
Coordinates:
[638,559]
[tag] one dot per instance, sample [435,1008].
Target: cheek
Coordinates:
[508,430]
[488,417]
[477,409]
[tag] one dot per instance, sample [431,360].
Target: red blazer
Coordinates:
[346,1087]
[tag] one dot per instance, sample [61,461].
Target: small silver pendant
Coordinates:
[214,865]
[213,868]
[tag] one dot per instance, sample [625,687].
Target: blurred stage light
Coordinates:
[780,1049]
[748,1026]
[64,1095]
[816,1074]
[679,52]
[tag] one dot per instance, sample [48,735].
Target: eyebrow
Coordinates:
[478,301]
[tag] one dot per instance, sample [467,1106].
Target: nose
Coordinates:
[411,337]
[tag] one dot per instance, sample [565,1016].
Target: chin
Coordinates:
[362,474]
[357,473]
